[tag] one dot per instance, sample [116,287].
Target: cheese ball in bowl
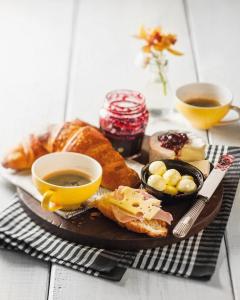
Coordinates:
[172,177]
[157,182]
[180,182]
[157,168]
[186,186]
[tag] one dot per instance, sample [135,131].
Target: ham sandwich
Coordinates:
[135,210]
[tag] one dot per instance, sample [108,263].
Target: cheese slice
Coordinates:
[149,209]
[202,165]
[133,202]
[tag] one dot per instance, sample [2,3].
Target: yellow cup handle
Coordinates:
[228,122]
[46,201]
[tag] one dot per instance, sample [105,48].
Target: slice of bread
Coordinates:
[153,228]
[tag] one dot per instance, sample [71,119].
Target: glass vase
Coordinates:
[159,99]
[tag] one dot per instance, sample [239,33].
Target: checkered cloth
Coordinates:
[194,257]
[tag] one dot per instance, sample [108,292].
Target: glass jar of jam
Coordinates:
[123,120]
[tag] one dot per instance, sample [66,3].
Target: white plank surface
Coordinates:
[219,62]
[136,284]
[105,50]
[215,28]
[103,59]
[22,277]
[34,56]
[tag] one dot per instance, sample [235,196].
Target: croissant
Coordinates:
[75,136]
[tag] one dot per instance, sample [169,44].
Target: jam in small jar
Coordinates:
[123,120]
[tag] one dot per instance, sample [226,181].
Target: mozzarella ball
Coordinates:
[157,167]
[156,182]
[172,176]
[187,177]
[186,186]
[171,190]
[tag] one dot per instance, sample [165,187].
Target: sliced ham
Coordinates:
[146,196]
[121,215]
[124,217]
[163,216]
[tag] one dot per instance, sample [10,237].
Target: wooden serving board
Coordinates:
[93,229]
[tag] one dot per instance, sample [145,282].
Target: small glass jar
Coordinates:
[123,120]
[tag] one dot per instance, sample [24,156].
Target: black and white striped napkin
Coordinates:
[195,257]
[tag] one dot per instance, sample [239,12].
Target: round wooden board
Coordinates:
[103,233]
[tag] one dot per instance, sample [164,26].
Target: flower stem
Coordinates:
[161,75]
[164,83]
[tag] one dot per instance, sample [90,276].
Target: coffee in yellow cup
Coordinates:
[205,104]
[66,179]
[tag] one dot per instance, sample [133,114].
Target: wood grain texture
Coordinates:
[34,57]
[34,54]
[22,277]
[101,232]
[216,47]
[105,50]
[141,285]
[106,61]
[219,62]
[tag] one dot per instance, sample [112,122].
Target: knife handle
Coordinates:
[186,222]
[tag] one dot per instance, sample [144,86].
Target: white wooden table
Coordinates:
[58,58]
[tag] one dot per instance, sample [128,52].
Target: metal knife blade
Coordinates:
[211,183]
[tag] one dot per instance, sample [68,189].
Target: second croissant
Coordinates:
[75,136]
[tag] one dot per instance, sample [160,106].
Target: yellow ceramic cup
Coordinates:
[205,117]
[61,197]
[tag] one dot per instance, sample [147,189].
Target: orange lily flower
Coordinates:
[157,40]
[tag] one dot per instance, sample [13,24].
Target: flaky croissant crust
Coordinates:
[75,136]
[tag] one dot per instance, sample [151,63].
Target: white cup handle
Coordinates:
[228,122]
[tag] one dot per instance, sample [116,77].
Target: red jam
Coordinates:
[173,141]
[225,162]
[123,120]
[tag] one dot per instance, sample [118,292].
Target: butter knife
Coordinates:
[210,185]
